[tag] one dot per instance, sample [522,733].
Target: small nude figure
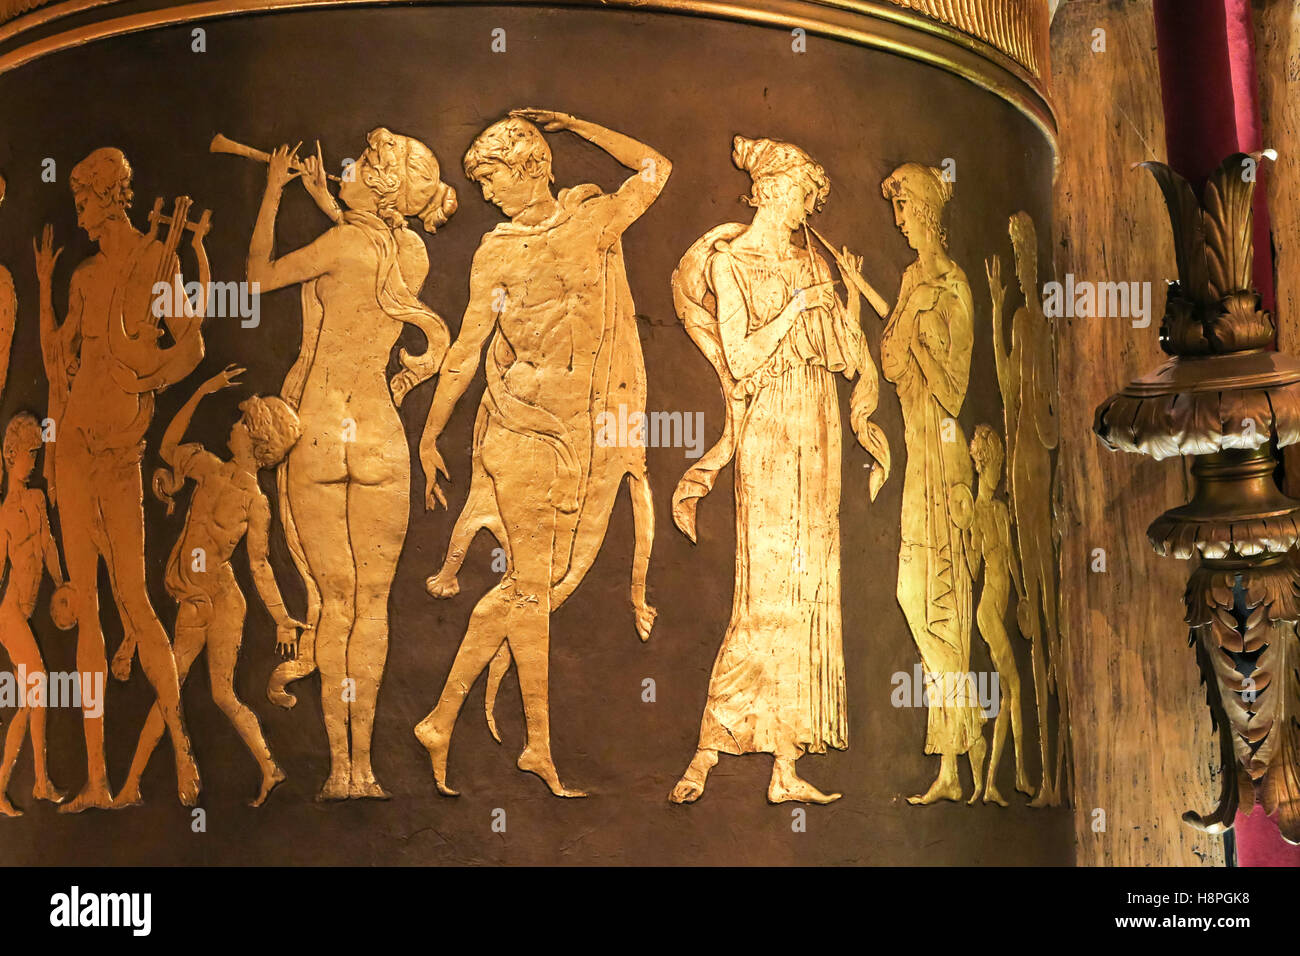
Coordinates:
[227,506]
[28,547]
[989,540]
[1027,379]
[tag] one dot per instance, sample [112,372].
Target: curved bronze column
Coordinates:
[773,266]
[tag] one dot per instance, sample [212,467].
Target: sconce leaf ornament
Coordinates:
[1225,400]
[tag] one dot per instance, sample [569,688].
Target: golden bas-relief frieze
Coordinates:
[551,331]
[551,318]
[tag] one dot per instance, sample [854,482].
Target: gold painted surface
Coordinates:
[1016,28]
[549,289]
[227,506]
[13,8]
[925,352]
[104,365]
[758,299]
[344,487]
[1028,382]
[8,310]
[27,554]
[764,312]
[988,543]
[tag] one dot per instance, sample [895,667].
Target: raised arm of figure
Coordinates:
[1001,357]
[317,186]
[58,341]
[311,261]
[639,191]
[171,439]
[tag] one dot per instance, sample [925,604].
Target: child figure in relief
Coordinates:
[227,507]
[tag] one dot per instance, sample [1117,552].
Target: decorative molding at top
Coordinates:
[999,45]
[1019,28]
[12,8]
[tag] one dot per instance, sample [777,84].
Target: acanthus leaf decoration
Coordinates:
[1227,402]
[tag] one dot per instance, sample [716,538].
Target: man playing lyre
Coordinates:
[104,363]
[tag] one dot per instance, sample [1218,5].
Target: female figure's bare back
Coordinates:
[347,481]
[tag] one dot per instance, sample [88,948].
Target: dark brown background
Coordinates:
[685,86]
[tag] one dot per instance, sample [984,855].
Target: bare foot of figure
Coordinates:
[691,787]
[128,796]
[1047,796]
[269,783]
[786,786]
[645,620]
[90,798]
[443,584]
[544,767]
[946,786]
[1023,784]
[187,781]
[437,744]
[335,788]
[993,795]
[7,809]
[364,786]
[46,791]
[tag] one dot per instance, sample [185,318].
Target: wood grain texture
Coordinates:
[1144,747]
[1277,52]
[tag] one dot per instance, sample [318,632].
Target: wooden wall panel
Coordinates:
[1277,51]
[1144,749]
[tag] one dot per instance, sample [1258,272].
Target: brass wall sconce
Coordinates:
[1227,401]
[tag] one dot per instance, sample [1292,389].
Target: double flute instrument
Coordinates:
[224,144]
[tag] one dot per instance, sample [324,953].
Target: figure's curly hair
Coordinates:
[22,432]
[404,175]
[986,443]
[514,143]
[107,173]
[273,426]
